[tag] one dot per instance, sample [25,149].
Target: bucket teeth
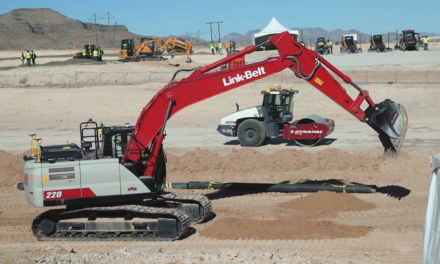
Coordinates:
[390,120]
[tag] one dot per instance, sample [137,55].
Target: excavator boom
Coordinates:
[387,118]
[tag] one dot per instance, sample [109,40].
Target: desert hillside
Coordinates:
[44,28]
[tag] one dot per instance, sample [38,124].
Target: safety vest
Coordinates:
[33,55]
[212,45]
[22,56]
[330,43]
[226,45]
[95,53]
[84,52]
[28,55]
[220,45]
[425,40]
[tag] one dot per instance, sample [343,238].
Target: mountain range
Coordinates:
[44,28]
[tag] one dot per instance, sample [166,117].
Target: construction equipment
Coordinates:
[145,51]
[93,184]
[377,44]
[111,185]
[175,45]
[408,41]
[235,63]
[321,47]
[349,44]
[89,49]
[256,125]
[152,48]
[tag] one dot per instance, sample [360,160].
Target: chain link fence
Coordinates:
[80,79]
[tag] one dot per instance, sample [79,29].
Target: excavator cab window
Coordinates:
[119,143]
[115,140]
[128,45]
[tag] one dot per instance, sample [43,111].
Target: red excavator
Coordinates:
[111,187]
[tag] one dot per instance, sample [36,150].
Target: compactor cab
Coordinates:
[277,105]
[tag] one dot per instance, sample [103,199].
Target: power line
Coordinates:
[101,16]
[218,30]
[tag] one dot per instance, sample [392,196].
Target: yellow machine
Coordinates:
[152,48]
[89,52]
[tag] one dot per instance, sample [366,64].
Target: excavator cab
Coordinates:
[127,49]
[104,141]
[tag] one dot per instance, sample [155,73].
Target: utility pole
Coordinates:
[108,16]
[96,29]
[218,30]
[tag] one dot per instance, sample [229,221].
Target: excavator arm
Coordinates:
[387,118]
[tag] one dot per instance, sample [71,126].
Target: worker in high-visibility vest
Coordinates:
[330,45]
[227,47]
[220,45]
[425,43]
[95,55]
[84,53]
[212,48]
[28,58]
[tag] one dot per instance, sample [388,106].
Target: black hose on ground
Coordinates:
[269,187]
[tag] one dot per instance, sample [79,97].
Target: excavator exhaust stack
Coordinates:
[390,120]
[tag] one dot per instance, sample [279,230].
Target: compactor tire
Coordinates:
[251,133]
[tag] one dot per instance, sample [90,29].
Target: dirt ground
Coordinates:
[246,227]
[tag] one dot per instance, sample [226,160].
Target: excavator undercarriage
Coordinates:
[166,218]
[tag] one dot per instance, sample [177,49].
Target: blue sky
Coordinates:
[163,18]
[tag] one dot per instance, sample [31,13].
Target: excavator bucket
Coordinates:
[390,120]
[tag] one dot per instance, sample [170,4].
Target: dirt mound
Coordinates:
[323,205]
[11,168]
[308,217]
[205,165]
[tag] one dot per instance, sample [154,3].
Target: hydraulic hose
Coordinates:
[270,187]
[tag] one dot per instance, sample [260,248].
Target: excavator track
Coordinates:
[197,206]
[137,222]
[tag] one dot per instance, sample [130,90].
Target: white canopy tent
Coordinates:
[274,27]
